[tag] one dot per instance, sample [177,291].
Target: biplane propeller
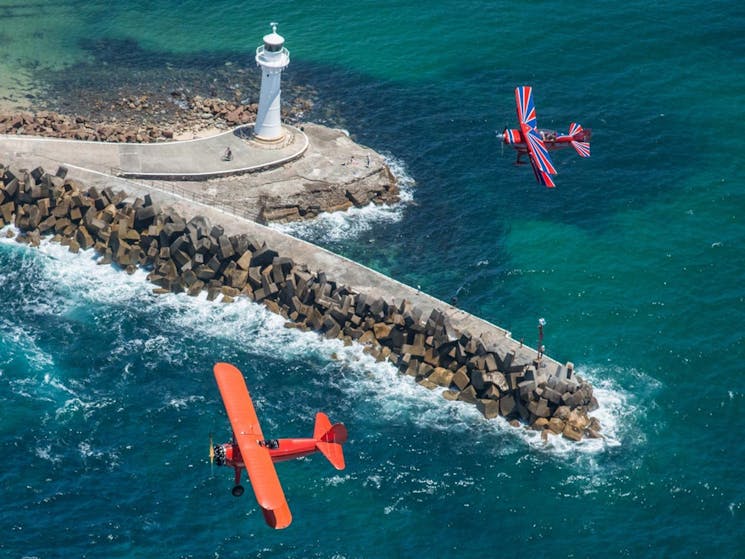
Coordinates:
[249,449]
[537,142]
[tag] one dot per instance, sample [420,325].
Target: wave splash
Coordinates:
[355,374]
[339,226]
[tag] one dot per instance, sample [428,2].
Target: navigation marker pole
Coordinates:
[541,324]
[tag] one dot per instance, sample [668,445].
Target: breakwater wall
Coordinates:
[196,255]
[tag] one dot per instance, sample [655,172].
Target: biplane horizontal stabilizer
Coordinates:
[329,439]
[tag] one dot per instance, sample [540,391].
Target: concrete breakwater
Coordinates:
[193,256]
[318,169]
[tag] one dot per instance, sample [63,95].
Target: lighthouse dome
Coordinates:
[273,42]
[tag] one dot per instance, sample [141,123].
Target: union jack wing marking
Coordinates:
[542,178]
[525,106]
[538,153]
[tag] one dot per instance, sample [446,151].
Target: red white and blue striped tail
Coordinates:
[582,148]
[575,129]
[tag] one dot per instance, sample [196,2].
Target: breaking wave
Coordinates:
[338,226]
[388,396]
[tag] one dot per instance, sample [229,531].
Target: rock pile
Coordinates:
[53,125]
[192,256]
[199,112]
[232,114]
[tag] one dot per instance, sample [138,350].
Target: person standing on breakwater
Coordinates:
[228,155]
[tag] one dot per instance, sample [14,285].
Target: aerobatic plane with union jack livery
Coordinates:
[537,142]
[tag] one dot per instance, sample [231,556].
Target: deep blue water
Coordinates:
[635,260]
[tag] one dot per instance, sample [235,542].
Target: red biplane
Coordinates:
[250,450]
[537,142]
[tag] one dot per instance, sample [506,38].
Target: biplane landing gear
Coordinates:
[237,490]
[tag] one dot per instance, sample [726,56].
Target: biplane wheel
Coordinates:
[237,491]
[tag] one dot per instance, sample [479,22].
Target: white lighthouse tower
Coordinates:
[273,57]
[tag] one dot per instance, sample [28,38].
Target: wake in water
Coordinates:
[338,226]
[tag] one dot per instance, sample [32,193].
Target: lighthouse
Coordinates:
[273,57]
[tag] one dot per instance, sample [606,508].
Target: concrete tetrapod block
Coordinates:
[489,408]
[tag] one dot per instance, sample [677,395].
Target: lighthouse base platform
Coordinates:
[315,169]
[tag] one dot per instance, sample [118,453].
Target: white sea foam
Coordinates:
[243,322]
[336,226]
[398,399]
[80,280]
[395,506]
[617,415]
[337,479]
[90,451]
[184,402]
[45,453]
[81,406]
[15,335]
[81,276]
[37,381]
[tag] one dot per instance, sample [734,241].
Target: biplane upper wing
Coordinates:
[248,435]
[539,157]
[525,106]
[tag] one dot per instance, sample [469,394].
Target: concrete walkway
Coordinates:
[197,159]
[92,163]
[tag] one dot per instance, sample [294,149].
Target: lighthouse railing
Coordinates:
[269,55]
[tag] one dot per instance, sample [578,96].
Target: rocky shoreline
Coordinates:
[185,116]
[124,87]
[197,256]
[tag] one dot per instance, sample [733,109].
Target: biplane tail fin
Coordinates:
[580,139]
[329,439]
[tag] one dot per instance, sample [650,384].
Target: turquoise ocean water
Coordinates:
[635,260]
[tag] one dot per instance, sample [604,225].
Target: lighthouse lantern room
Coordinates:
[272,57]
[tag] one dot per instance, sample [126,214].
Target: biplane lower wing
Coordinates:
[249,437]
[542,178]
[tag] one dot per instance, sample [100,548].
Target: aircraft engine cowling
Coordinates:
[220,458]
[512,136]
